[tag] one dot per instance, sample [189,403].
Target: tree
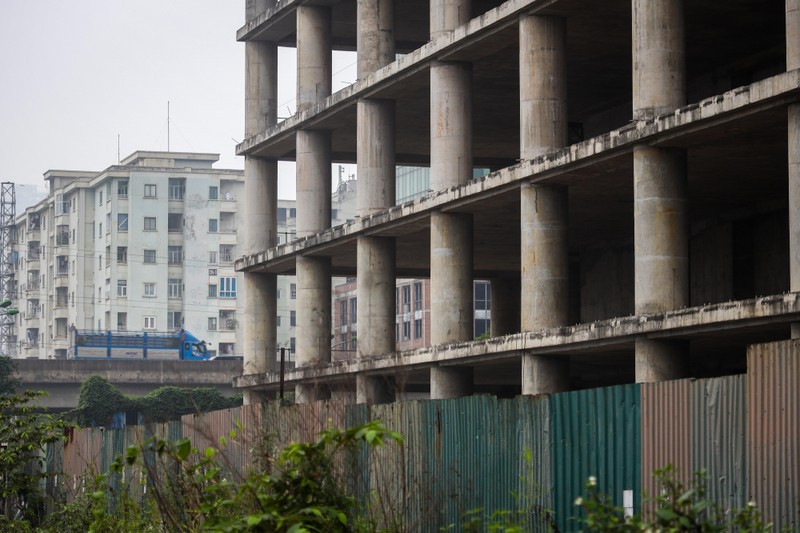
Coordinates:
[24,433]
[9,383]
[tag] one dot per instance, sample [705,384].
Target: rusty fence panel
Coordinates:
[773,430]
[718,438]
[666,432]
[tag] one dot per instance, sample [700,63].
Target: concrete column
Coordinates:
[375,40]
[451,382]
[376,293]
[375,389]
[543,85]
[313,56]
[544,291]
[313,344]
[545,262]
[451,234]
[451,124]
[451,278]
[313,182]
[660,226]
[260,205]
[792,63]
[447,15]
[659,66]
[661,254]
[661,233]
[792,34]
[376,192]
[544,375]
[260,289]
[794,205]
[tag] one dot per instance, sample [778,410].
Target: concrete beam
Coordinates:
[675,325]
[774,92]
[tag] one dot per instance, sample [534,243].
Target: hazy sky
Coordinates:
[75,74]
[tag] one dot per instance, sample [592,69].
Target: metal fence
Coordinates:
[475,456]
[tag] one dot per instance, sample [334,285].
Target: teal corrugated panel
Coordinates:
[597,433]
[535,495]
[719,432]
[473,459]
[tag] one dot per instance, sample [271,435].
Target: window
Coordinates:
[418,296]
[101,198]
[175,255]
[353,310]
[212,323]
[212,291]
[418,328]
[293,291]
[122,222]
[122,189]
[227,287]
[122,287]
[175,287]
[108,222]
[177,188]
[406,330]
[108,255]
[483,305]
[100,229]
[213,193]
[175,222]
[62,235]
[213,225]
[281,215]
[122,321]
[226,252]
[149,322]
[406,298]
[150,223]
[149,190]
[278,320]
[343,311]
[62,265]
[99,261]
[150,290]
[212,258]
[174,320]
[149,256]
[62,207]
[292,319]
[122,254]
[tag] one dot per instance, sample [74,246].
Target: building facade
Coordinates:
[147,244]
[639,223]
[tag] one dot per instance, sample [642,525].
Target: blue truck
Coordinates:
[151,345]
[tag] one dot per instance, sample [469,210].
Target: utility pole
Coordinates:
[8,284]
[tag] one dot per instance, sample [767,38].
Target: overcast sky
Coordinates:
[76,74]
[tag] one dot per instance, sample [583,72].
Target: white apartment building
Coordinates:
[147,244]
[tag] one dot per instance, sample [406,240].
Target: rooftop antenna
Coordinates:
[167,125]
[118,157]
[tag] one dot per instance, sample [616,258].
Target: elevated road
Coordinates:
[62,378]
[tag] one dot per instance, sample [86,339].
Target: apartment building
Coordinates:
[147,244]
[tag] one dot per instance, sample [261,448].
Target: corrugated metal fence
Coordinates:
[478,455]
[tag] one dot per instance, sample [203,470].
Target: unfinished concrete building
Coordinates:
[640,223]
